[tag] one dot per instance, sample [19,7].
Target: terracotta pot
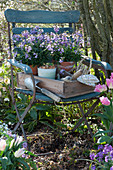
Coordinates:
[67,66]
[34,69]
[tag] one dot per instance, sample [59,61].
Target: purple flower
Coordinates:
[24,156]
[100,147]
[28,48]
[56,29]
[62,71]
[106,158]
[93,167]
[107,148]
[62,50]
[92,156]
[111,168]
[111,154]
[26,56]
[61,60]
[25,145]
[36,56]
[25,34]
[15,54]
[100,156]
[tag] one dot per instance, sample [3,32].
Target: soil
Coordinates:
[59,150]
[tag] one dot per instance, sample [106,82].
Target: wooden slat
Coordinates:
[41,16]
[18,30]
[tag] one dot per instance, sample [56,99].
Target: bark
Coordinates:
[97,17]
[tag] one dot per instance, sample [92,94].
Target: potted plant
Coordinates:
[37,48]
[30,49]
[65,48]
[47,71]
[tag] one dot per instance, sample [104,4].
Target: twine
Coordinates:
[85,68]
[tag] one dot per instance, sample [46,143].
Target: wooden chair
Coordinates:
[47,17]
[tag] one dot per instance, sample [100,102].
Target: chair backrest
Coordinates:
[42,17]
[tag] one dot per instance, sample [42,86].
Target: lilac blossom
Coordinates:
[106,158]
[111,154]
[25,34]
[103,157]
[100,156]
[56,29]
[107,148]
[100,147]
[111,168]
[26,55]
[92,156]
[25,145]
[28,48]
[93,167]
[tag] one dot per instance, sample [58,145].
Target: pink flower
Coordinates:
[111,77]
[105,101]
[2,145]
[109,83]
[100,88]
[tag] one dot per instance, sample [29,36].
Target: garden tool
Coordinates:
[74,76]
[29,84]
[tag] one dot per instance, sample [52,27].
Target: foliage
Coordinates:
[102,158]
[32,49]
[107,105]
[38,48]
[13,153]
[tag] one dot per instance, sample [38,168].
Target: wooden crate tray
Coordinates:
[61,88]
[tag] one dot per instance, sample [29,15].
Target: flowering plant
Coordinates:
[30,47]
[38,48]
[65,46]
[106,100]
[102,158]
[13,153]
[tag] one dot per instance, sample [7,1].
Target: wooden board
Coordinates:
[61,88]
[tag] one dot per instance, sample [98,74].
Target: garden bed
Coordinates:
[60,150]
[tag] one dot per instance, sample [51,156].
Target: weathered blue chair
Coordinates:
[47,17]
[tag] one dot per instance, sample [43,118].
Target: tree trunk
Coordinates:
[97,17]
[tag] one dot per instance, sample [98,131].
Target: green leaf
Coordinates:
[100,115]
[24,163]
[60,125]
[33,113]
[103,139]
[46,123]
[101,132]
[43,107]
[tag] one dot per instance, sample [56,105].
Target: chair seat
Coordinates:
[42,97]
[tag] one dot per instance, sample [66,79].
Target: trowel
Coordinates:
[29,84]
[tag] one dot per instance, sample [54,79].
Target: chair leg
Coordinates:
[85,120]
[21,125]
[85,115]
[19,118]
[24,114]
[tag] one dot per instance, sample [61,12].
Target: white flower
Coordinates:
[19,152]
[19,139]
[2,145]
[4,157]
[11,144]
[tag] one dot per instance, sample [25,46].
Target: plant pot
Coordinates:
[47,73]
[67,66]
[34,69]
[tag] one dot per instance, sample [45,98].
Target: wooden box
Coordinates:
[61,88]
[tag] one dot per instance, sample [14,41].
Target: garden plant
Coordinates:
[60,119]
